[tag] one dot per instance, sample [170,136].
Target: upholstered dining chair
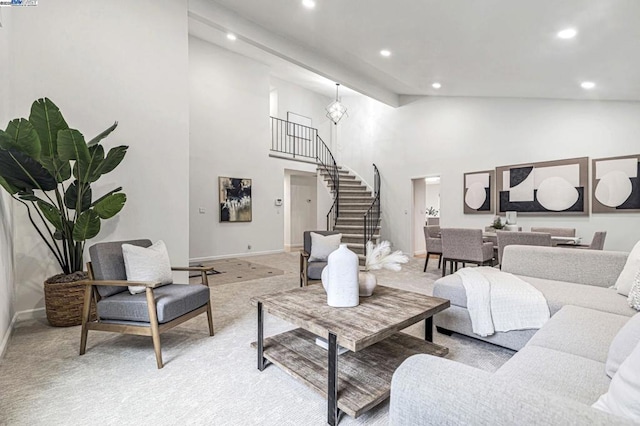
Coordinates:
[555,232]
[433,242]
[507,238]
[597,242]
[157,309]
[311,270]
[466,246]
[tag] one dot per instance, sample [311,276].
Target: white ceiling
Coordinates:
[500,48]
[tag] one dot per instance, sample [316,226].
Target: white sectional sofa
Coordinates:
[559,370]
[564,276]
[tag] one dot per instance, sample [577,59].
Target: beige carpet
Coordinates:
[206,380]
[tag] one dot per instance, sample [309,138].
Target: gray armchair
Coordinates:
[311,270]
[158,309]
[466,246]
[555,232]
[433,242]
[507,238]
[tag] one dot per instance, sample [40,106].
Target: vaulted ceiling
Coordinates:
[498,48]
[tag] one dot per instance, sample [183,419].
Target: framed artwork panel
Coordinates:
[615,182]
[544,188]
[478,190]
[235,199]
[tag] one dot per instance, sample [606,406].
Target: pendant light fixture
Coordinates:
[335,110]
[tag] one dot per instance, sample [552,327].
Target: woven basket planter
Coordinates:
[64,302]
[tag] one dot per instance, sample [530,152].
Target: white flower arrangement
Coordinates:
[379,256]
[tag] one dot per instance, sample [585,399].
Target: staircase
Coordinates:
[355,200]
[355,211]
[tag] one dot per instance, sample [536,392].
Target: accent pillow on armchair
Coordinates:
[322,246]
[147,264]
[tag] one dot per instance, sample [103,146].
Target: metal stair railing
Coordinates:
[303,141]
[372,216]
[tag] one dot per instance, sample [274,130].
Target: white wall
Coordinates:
[7,287]
[302,207]
[450,136]
[230,136]
[100,62]
[418,215]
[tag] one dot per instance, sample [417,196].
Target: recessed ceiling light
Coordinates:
[385,53]
[567,33]
[587,85]
[436,85]
[231,36]
[309,4]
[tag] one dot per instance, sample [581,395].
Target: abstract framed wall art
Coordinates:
[550,187]
[615,182]
[478,192]
[235,199]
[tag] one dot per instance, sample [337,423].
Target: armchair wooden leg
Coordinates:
[155,332]
[426,261]
[444,267]
[86,312]
[210,318]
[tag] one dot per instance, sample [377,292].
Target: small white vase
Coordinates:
[367,282]
[340,278]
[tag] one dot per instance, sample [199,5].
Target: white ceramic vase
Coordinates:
[340,278]
[367,282]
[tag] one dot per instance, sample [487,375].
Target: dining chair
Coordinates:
[597,242]
[433,242]
[465,246]
[555,232]
[508,238]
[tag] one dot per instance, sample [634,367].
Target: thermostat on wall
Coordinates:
[278,201]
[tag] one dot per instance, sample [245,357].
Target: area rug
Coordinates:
[228,271]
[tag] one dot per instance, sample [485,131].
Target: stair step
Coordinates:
[356,228]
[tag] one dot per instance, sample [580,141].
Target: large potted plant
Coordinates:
[49,168]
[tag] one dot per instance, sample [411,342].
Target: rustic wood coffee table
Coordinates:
[370,331]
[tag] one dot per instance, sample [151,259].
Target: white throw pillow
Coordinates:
[623,344]
[625,280]
[623,397]
[634,294]
[323,245]
[147,264]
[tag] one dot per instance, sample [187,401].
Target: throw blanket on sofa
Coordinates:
[499,301]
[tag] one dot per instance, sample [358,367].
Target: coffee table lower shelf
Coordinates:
[364,377]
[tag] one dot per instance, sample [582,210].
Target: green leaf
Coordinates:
[53,215]
[60,169]
[28,196]
[7,186]
[22,137]
[71,146]
[47,121]
[71,196]
[24,173]
[118,189]
[102,135]
[97,157]
[110,206]
[87,226]
[114,157]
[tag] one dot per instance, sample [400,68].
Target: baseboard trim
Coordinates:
[229,256]
[18,317]
[419,252]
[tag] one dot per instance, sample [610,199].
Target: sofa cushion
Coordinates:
[314,270]
[623,396]
[560,373]
[628,274]
[172,301]
[580,331]
[557,293]
[623,344]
